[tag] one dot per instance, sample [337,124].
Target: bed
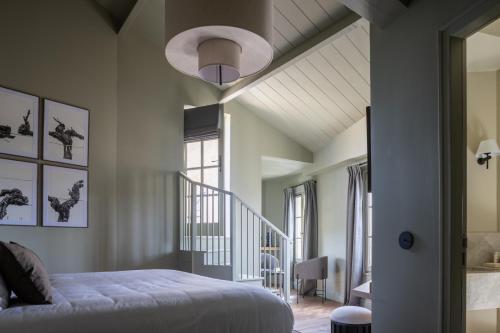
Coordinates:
[150,301]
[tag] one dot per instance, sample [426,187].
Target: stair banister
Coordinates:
[277,244]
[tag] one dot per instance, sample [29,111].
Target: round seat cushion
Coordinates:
[352,315]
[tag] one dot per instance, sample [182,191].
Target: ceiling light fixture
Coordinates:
[219,41]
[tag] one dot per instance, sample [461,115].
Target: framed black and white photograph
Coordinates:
[18,123]
[18,193]
[65,134]
[64,197]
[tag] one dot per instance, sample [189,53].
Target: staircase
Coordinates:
[222,237]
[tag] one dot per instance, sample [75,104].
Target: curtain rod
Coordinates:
[357,163]
[302,183]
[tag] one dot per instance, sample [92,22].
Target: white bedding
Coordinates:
[162,301]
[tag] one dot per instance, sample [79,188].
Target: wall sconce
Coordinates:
[487,149]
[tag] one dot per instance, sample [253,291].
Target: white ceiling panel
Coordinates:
[297,20]
[320,94]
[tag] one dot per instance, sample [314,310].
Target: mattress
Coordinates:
[150,301]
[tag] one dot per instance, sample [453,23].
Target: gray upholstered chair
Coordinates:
[312,269]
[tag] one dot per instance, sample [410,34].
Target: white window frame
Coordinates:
[202,168]
[298,193]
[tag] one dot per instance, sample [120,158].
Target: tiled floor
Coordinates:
[312,316]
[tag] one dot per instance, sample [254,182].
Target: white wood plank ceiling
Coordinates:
[319,95]
[297,20]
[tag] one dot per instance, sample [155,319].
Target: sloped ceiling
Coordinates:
[318,96]
[297,20]
[272,167]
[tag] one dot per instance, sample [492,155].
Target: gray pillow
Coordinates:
[4,294]
[25,274]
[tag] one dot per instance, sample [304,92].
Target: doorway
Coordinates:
[455,154]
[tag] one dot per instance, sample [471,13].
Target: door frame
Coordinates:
[453,119]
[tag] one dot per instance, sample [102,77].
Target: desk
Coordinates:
[363,290]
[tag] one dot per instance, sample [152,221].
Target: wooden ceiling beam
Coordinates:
[379,12]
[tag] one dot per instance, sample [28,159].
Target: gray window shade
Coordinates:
[202,123]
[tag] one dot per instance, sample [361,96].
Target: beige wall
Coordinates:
[273,198]
[482,184]
[252,138]
[66,50]
[151,96]
[481,125]
[332,210]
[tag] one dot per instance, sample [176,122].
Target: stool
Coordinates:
[351,319]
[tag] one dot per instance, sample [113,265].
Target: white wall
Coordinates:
[252,138]
[348,145]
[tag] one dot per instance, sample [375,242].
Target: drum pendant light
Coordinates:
[219,41]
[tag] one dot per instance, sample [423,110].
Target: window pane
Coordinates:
[298,248]
[369,254]
[298,227]
[370,222]
[193,154]
[194,175]
[211,152]
[298,206]
[211,176]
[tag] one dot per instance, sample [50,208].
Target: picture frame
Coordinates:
[19,115]
[65,133]
[18,193]
[65,197]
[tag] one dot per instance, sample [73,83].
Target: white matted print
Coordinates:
[65,133]
[64,197]
[18,123]
[18,193]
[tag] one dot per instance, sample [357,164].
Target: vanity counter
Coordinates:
[483,288]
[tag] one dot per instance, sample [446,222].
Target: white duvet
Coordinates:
[162,301]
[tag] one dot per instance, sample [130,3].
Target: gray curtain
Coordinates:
[356,215]
[310,229]
[288,211]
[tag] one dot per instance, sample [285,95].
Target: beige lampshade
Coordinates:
[488,146]
[219,41]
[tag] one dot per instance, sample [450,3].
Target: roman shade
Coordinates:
[202,123]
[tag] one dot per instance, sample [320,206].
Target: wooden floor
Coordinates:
[311,316]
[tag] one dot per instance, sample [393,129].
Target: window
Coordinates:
[202,165]
[299,227]
[202,161]
[368,235]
